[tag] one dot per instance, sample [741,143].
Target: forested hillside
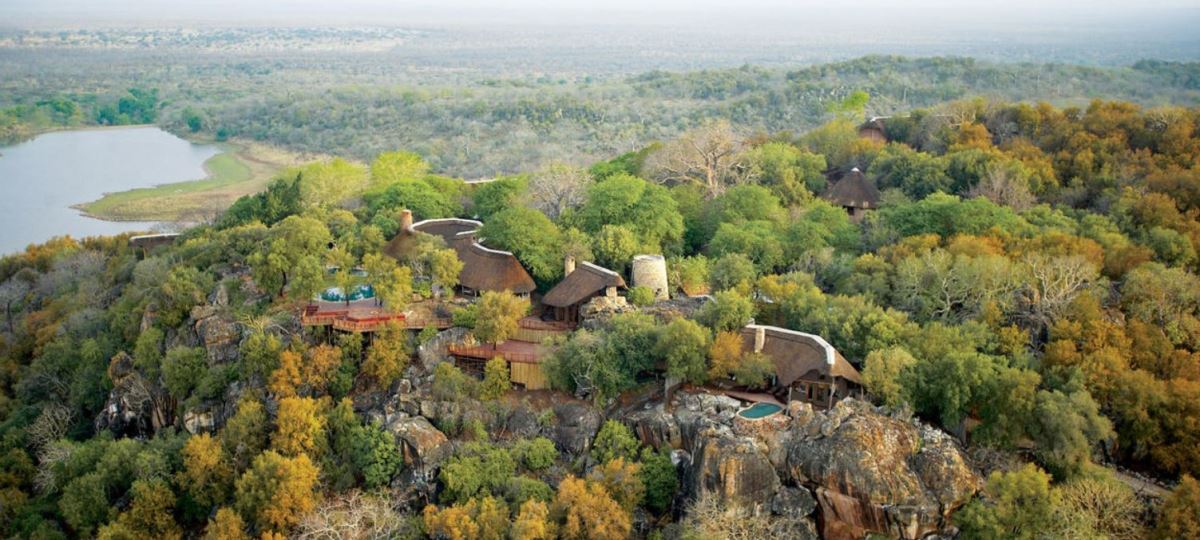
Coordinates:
[1027,282]
[474,122]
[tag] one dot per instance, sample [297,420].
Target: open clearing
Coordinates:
[243,168]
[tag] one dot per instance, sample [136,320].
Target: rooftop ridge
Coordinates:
[830,354]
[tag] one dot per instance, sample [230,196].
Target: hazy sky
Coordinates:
[948,15]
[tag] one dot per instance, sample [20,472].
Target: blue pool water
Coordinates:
[760,410]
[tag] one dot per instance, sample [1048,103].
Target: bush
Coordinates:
[495,379]
[614,440]
[523,488]
[480,469]
[451,384]
[536,454]
[640,296]
[659,478]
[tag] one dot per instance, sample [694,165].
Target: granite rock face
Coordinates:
[574,426]
[423,446]
[853,469]
[436,350]
[875,473]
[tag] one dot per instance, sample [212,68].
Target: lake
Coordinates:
[41,178]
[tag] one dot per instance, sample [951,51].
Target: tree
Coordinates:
[226,525]
[391,167]
[641,296]
[149,514]
[614,441]
[728,311]
[709,155]
[615,246]
[1054,283]
[533,522]
[392,282]
[660,479]
[207,475]
[451,384]
[1101,506]
[1180,514]
[1065,428]
[557,188]
[491,198]
[791,174]
[277,491]
[882,374]
[732,271]
[182,369]
[286,379]
[376,455]
[644,208]
[479,469]
[245,434]
[724,355]
[684,345]
[260,354]
[757,240]
[495,379]
[622,480]
[387,358]
[754,370]
[497,316]
[291,257]
[586,511]
[536,454]
[1019,505]
[530,236]
[300,427]
[444,268]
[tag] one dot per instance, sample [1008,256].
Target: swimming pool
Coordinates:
[759,410]
[334,294]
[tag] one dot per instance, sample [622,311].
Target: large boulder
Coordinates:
[437,349]
[655,427]
[730,467]
[218,333]
[422,445]
[135,407]
[575,425]
[875,473]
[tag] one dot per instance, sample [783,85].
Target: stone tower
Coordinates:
[650,271]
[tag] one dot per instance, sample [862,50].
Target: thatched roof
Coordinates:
[587,280]
[487,269]
[403,245]
[797,355]
[484,269]
[854,190]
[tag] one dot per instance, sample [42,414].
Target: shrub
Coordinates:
[451,384]
[614,440]
[536,454]
[640,296]
[495,379]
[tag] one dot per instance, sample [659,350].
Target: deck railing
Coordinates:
[487,353]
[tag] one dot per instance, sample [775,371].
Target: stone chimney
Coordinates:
[760,338]
[406,221]
[568,265]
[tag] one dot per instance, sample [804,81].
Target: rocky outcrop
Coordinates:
[422,446]
[436,350]
[575,425]
[731,468]
[860,470]
[218,333]
[597,311]
[875,473]
[135,407]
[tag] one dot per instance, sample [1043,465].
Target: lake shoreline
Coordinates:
[241,168]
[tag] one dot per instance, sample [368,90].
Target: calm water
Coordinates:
[41,178]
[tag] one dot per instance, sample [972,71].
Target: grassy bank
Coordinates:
[242,169]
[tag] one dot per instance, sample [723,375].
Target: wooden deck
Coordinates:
[513,351]
[362,317]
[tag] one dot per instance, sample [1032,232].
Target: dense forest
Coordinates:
[475,121]
[1028,283]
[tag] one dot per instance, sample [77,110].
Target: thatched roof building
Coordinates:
[854,192]
[582,284]
[484,269]
[805,364]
